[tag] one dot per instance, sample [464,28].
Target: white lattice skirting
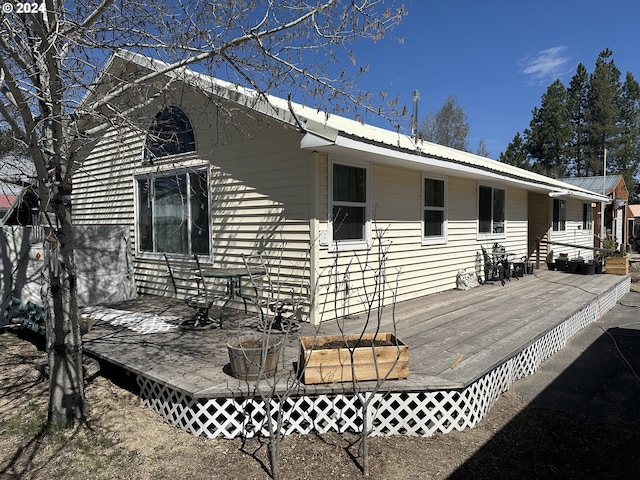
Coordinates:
[409,413]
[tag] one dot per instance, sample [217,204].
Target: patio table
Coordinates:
[233,277]
[507,259]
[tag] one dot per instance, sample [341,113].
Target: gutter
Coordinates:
[339,143]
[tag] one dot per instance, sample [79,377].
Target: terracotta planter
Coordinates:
[328,359]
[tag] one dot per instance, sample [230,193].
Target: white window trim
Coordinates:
[441,239]
[342,245]
[165,173]
[589,222]
[565,229]
[481,236]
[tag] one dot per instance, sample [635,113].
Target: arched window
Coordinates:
[170,134]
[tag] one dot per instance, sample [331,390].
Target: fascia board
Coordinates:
[376,153]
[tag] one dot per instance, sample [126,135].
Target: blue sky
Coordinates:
[497,56]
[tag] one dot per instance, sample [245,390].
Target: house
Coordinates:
[6,202]
[634,225]
[219,171]
[616,212]
[23,208]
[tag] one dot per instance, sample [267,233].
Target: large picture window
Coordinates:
[491,210]
[559,215]
[173,213]
[434,210]
[349,200]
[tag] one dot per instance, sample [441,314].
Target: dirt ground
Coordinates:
[122,440]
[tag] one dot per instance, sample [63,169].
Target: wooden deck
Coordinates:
[455,337]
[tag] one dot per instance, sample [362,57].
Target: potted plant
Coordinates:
[599,260]
[575,265]
[588,267]
[551,265]
[561,262]
[616,263]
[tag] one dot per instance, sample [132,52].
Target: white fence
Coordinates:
[104,265]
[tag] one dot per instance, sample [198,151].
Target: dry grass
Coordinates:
[121,440]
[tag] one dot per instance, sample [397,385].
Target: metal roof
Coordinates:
[7,200]
[635,211]
[323,131]
[602,185]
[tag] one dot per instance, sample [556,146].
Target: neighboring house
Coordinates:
[222,171]
[6,202]
[634,221]
[23,208]
[615,213]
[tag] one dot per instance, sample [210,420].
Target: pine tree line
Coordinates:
[569,132]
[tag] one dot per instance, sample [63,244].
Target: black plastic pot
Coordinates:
[575,266]
[561,264]
[518,269]
[588,268]
[551,266]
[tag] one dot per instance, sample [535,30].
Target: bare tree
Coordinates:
[447,126]
[51,53]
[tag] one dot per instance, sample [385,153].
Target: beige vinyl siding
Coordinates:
[418,269]
[574,233]
[260,192]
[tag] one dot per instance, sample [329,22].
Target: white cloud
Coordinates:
[548,64]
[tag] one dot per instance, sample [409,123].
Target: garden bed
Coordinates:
[337,358]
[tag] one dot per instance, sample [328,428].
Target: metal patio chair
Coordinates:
[202,301]
[493,268]
[276,297]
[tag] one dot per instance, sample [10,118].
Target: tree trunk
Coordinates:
[64,345]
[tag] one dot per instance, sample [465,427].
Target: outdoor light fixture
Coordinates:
[619,202]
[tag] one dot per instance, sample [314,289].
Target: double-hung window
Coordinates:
[434,213]
[173,212]
[349,222]
[491,211]
[587,217]
[559,215]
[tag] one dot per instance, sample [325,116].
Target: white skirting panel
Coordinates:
[408,413]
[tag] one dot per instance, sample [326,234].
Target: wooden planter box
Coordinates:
[323,363]
[617,265]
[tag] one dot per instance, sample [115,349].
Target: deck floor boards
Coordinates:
[454,337]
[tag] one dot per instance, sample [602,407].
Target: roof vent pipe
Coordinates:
[414,118]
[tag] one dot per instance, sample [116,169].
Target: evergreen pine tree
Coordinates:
[549,133]
[603,114]
[516,153]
